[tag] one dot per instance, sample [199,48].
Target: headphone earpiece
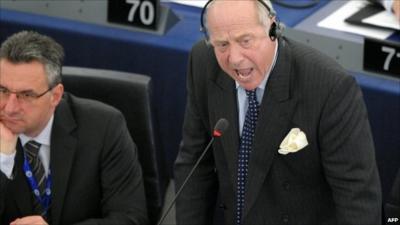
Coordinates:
[272,31]
[276,30]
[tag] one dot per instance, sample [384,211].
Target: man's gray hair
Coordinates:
[29,46]
[263,14]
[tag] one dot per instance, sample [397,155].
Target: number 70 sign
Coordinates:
[135,13]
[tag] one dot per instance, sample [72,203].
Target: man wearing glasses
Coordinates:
[63,159]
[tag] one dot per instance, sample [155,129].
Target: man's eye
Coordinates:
[246,42]
[222,46]
[27,95]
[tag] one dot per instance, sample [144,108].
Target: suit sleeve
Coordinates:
[4,181]
[123,198]
[196,203]
[348,155]
[395,191]
[3,186]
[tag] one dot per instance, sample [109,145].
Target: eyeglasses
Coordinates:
[22,96]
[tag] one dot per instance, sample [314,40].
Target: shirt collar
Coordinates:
[264,82]
[43,137]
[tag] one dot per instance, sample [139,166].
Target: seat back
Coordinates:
[131,94]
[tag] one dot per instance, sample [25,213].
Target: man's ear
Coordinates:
[57,92]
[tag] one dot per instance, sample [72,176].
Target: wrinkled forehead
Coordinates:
[235,31]
[229,16]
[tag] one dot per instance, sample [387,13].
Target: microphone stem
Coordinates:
[184,182]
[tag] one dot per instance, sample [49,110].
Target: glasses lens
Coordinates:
[26,97]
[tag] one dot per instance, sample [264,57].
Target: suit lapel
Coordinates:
[224,105]
[63,146]
[275,113]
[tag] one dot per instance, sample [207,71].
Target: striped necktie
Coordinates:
[32,154]
[246,144]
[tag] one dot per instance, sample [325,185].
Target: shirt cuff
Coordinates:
[7,164]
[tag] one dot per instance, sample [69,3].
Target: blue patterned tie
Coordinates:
[246,142]
[32,154]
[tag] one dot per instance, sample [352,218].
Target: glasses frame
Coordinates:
[19,94]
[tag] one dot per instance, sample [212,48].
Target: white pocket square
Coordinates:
[294,141]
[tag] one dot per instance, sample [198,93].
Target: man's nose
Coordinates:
[235,55]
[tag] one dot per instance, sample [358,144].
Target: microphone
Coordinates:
[219,129]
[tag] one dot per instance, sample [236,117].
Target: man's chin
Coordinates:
[248,85]
[15,128]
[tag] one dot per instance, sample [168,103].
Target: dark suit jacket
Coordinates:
[334,180]
[95,170]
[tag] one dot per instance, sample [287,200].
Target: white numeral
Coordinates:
[146,19]
[135,5]
[146,5]
[391,52]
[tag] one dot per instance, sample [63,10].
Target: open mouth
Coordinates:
[243,73]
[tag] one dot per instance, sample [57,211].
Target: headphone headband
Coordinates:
[203,11]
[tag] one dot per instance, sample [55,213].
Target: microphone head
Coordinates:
[220,127]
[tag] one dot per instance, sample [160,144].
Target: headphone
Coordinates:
[275,31]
